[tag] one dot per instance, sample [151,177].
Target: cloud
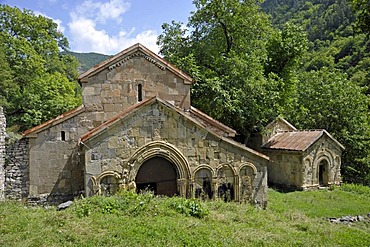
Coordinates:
[89,34]
[102,11]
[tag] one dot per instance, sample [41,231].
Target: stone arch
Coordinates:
[203,183]
[250,165]
[164,150]
[158,175]
[226,182]
[323,165]
[247,174]
[102,187]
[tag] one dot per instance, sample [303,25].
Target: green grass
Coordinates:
[291,219]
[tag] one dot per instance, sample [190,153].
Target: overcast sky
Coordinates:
[109,26]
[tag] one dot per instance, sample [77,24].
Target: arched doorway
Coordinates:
[158,175]
[323,173]
[226,183]
[203,184]
[108,185]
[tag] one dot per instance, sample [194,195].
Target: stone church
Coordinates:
[137,129]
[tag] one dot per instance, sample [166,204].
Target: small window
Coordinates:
[63,135]
[139,92]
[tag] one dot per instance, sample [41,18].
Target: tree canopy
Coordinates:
[225,48]
[306,66]
[40,81]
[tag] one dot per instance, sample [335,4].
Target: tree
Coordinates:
[224,49]
[7,86]
[362,8]
[35,52]
[328,100]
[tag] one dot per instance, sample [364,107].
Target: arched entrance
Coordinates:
[226,183]
[203,184]
[323,173]
[166,153]
[158,175]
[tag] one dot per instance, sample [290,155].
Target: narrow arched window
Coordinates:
[63,135]
[139,92]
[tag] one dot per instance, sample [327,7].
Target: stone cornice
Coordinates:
[138,54]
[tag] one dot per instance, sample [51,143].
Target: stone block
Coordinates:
[88,91]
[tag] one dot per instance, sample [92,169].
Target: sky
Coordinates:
[109,26]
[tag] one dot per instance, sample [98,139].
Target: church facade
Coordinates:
[135,129]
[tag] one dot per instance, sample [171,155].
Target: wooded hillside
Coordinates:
[304,60]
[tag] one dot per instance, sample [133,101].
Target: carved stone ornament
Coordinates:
[138,54]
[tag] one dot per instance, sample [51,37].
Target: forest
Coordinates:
[252,61]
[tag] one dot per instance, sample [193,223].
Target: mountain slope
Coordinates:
[88,60]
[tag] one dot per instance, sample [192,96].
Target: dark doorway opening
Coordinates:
[147,187]
[323,173]
[158,175]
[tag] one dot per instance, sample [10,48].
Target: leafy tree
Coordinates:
[7,86]
[224,47]
[247,72]
[34,50]
[362,7]
[328,100]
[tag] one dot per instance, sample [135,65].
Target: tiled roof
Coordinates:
[135,107]
[137,47]
[211,122]
[54,121]
[296,140]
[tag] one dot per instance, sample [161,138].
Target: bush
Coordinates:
[189,207]
[356,188]
[131,203]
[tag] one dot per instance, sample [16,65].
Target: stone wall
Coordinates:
[16,170]
[112,91]
[156,130]
[300,169]
[2,153]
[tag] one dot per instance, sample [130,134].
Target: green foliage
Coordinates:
[133,204]
[224,48]
[326,99]
[362,9]
[311,69]
[189,207]
[357,189]
[42,79]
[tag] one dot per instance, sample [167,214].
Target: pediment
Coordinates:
[134,51]
[147,57]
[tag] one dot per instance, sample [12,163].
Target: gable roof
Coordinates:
[61,118]
[297,140]
[135,50]
[211,122]
[106,125]
[283,121]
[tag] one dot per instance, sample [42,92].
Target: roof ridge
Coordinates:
[303,130]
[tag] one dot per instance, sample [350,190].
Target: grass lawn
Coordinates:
[128,219]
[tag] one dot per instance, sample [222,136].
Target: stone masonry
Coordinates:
[16,170]
[2,152]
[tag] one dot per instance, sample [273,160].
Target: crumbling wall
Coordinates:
[2,153]
[16,170]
